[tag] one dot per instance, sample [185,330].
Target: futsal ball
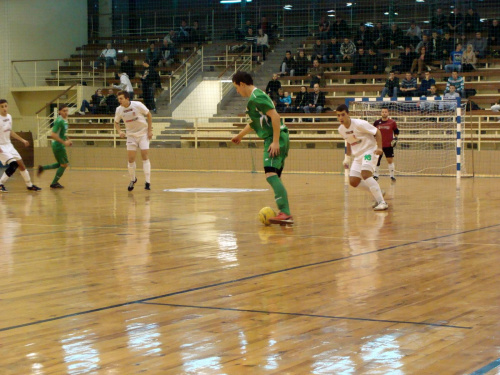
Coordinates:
[265,214]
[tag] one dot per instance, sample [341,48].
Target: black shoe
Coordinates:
[148,186]
[393,179]
[40,170]
[131,185]
[34,188]
[3,189]
[57,185]
[375,178]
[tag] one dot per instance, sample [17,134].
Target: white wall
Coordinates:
[201,102]
[38,29]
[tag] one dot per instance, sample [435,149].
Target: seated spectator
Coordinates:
[375,62]
[107,56]
[413,35]
[469,59]
[317,101]
[279,105]
[496,108]
[479,45]
[494,33]
[324,28]
[93,106]
[109,103]
[183,33]
[424,43]
[363,36]
[391,86]
[421,62]
[426,84]
[262,44]
[250,38]
[359,64]
[195,34]
[438,22]
[319,52]
[380,36]
[409,86]
[456,81]
[153,55]
[396,37]
[455,23]
[125,84]
[406,60]
[340,28]
[434,46]
[169,48]
[301,99]
[302,64]
[429,105]
[248,25]
[333,51]
[450,96]
[446,47]
[347,49]
[286,103]
[127,66]
[455,61]
[472,23]
[273,86]
[317,74]
[288,65]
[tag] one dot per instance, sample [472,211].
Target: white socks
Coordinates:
[26,177]
[4,179]
[377,168]
[363,186]
[131,171]
[391,169]
[374,189]
[146,167]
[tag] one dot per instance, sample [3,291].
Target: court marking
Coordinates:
[234,281]
[306,315]
[490,366]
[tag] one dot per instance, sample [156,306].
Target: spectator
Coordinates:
[375,62]
[301,99]
[127,66]
[107,56]
[450,96]
[324,28]
[494,33]
[359,64]
[262,44]
[380,36]
[279,105]
[316,101]
[456,81]
[479,45]
[317,74]
[496,108]
[424,43]
[153,55]
[447,46]
[333,51]
[421,62]
[409,86]
[266,27]
[455,60]
[472,22]
[288,65]
[93,106]
[273,86]
[396,37]
[125,84]
[248,25]
[435,46]
[469,59]
[340,29]
[109,103]
[363,36]
[455,22]
[406,60]
[319,52]
[195,34]
[347,49]
[431,93]
[438,22]
[302,64]
[426,83]
[250,39]
[149,79]
[169,49]
[286,103]
[391,86]
[413,34]
[183,33]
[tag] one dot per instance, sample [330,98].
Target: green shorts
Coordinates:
[60,155]
[278,161]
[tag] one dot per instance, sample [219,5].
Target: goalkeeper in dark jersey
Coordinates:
[266,122]
[390,132]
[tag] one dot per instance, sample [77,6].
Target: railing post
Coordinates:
[196,133]
[202,67]
[81,72]
[186,73]
[227,57]
[58,74]
[35,74]
[170,89]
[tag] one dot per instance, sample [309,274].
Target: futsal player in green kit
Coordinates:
[266,122]
[59,143]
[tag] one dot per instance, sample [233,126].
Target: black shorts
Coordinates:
[388,152]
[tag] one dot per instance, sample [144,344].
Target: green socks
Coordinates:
[59,173]
[280,194]
[51,166]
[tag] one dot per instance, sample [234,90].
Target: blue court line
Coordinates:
[307,315]
[487,368]
[240,279]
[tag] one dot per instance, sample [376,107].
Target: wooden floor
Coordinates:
[96,280]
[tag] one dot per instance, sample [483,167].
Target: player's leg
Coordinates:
[389,155]
[7,159]
[132,145]
[26,176]
[146,164]
[377,168]
[63,162]
[367,167]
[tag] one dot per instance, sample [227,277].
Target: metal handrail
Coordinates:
[53,100]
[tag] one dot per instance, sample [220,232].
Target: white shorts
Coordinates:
[141,142]
[365,162]
[8,154]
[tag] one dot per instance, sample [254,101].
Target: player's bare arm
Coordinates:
[14,135]
[150,125]
[378,137]
[56,138]
[119,130]
[347,157]
[274,147]
[237,138]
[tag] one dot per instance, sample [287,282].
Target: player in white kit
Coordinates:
[8,154]
[364,145]
[139,127]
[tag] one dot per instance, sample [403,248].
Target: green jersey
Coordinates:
[60,128]
[258,105]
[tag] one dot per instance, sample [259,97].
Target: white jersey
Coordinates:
[360,135]
[134,118]
[5,129]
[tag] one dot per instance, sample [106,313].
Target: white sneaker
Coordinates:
[81,113]
[375,203]
[382,206]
